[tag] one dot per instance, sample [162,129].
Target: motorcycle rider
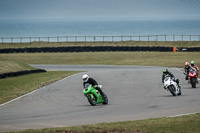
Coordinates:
[195,67]
[166,72]
[186,69]
[93,82]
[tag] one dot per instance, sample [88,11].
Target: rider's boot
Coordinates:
[100,92]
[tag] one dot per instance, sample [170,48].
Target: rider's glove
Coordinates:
[95,86]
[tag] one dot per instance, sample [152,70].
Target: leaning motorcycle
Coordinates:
[171,86]
[94,97]
[192,78]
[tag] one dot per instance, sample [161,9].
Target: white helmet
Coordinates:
[85,77]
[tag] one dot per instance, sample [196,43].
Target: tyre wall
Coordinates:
[85,49]
[19,73]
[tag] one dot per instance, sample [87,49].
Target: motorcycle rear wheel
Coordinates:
[105,99]
[179,91]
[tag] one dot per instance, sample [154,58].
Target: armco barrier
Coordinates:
[18,73]
[95,49]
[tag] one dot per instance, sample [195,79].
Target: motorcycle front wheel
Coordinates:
[172,90]
[91,100]
[193,83]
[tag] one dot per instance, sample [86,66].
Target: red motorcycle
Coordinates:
[192,77]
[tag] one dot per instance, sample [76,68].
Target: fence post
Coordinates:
[182,38]
[66,38]
[30,40]
[190,38]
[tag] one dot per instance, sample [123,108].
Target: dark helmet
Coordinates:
[165,71]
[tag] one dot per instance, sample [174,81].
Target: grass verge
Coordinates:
[181,124]
[13,66]
[120,43]
[163,59]
[14,87]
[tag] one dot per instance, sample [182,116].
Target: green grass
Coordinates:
[163,59]
[14,87]
[13,66]
[181,124]
[120,43]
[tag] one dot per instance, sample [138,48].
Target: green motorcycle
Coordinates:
[94,97]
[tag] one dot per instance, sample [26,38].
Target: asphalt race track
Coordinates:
[134,93]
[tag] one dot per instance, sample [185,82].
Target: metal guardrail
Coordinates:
[100,38]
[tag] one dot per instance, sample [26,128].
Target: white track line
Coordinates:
[31,92]
[183,114]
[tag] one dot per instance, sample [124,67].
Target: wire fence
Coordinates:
[100,38]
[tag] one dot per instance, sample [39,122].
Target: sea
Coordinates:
[65,27]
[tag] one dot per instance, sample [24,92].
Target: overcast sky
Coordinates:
[100,9]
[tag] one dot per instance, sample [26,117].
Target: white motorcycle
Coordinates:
[171,86]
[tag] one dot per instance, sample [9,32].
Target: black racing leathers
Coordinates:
[186,71]
[94,84]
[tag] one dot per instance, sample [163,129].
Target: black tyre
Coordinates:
[91,100]
[105,99]
[179,91]
[172,90]
[193,82]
